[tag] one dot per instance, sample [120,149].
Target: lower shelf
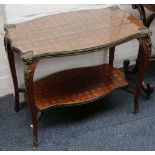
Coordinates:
[77,86]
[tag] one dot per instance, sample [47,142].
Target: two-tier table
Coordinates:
[74,33]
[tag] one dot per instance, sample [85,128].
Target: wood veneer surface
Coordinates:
[73,31]
[78,85]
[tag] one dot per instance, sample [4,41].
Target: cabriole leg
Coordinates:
[13,73]
[29,69]
[142,66]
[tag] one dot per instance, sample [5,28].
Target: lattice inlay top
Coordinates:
[73,31]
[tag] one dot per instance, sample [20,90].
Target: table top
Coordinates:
[75,32]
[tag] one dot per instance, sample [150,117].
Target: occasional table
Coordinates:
[73,33]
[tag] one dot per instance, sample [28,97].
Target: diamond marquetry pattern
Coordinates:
[78,85]
[73,31]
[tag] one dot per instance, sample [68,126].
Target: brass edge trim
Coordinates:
[10,26]
[27,57]
[145,33]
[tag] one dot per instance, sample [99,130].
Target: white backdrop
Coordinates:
[21,13]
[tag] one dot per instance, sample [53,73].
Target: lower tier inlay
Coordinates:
[77,86]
